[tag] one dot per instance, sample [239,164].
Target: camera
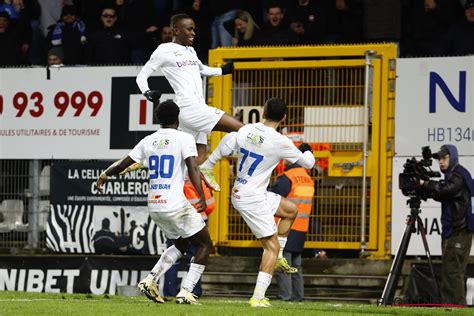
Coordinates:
[415,170]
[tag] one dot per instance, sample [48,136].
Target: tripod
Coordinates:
[392,280]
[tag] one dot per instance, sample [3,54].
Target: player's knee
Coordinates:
[294,212]
[291,210]
[274,245]
[205,243]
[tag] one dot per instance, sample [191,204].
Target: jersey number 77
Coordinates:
[258,159]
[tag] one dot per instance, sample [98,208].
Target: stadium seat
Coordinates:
[43,215]
[12,211]
[44,180]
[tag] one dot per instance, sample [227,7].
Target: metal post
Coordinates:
[368,90]
[33,205]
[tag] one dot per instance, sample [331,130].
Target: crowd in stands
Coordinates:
[114,32]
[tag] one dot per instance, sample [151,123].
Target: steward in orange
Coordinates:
[193,197]
[298,186]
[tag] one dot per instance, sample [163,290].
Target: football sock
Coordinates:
[263,282]
[167,259]
[282,241]
[193,276]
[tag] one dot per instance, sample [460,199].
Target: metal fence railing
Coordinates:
[24,203]
[334,97]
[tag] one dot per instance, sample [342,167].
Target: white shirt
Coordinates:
[165,152]
[260,148]
[182,68]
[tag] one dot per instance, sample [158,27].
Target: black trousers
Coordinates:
[455,249]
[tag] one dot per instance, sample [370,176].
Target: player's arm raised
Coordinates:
[112,170]
[195,178]
[142,78]
[216,71]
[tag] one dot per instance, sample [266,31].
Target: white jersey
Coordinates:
[182,68]
[165,152]
[259,148]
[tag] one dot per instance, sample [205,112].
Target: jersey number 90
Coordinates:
[160,166]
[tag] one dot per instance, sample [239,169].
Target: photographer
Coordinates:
[454,193]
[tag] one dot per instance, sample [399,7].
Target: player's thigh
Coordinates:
[200,117]
[286,209]
[199,137]
[228,124]
[184,223]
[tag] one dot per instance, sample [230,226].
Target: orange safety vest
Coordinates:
[302,192]
[193,197]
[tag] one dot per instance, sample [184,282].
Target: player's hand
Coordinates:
[228,68]
[100,182]
[305,147]
[201,205]
[153,96]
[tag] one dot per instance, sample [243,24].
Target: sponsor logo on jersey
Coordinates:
[160,186]
[255,139]
[241,180]
[156,200]
[187,62]
[160,144]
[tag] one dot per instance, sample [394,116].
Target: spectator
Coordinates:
[459,40]
[427,22]
[56,57]
[70,33]
[382,20]
[246,31]
[276,32]
[344,21]
[309,20]
[138,17]
[105,241]
[166,34]
[298,186]
[157,38]
[200,12]
[13,46]
[223,11]
[298,29]
[30,20]
[50,13]
[110,44]
[13,10]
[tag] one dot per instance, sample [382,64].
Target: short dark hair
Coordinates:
[167,113]
[275,109]
[178,17]
[273,5]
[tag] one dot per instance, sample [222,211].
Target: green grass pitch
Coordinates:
[21,303]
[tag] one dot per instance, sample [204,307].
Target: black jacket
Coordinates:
[459,40]
[453,193]
[109,46]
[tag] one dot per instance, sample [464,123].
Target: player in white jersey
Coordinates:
[168,153]
[182,68]
[260,147]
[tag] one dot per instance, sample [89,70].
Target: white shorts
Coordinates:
[199,118]
[183,223]
[259,215]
